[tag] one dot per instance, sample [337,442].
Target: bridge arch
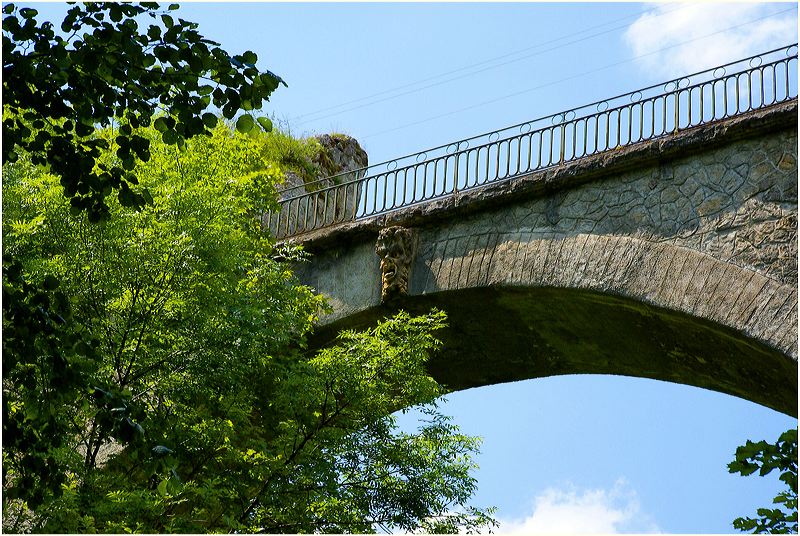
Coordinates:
[674,259]
[661,274]
[500,333]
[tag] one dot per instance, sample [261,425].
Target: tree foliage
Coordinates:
[38,324]
[103,69]
[205,411]
[766,457]
[57,88]
[155,375]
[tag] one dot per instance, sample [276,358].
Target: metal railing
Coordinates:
[729,90]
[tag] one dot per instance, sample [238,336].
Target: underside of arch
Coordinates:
[499,334]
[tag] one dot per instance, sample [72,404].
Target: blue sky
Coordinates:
[597,453]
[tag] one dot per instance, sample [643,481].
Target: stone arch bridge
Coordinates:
[673,258]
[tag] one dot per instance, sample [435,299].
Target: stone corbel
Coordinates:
[396,247]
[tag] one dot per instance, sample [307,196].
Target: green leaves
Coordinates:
[170,137]
[195,405]
[46,362]
[249,58]
[245,123]
[210,120]
[160,124]
[75,85]
[375,474]
[766,457]
[265,123]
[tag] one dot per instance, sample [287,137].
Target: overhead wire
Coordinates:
[294,121]
[579,75]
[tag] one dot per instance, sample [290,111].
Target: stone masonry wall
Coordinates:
[674,259]
[737,204]
[712,234]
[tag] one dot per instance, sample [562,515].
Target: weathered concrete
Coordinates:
[674,259]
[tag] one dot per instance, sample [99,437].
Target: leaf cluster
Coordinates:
[103,68]
[44,356]
[766,457]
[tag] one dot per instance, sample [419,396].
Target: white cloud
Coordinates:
[671,24]
[571,510]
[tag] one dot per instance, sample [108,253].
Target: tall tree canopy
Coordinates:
[205,412]
[155,375]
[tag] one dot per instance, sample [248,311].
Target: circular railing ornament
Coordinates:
[391,166]
[602,106]
[422,157]
[493,137]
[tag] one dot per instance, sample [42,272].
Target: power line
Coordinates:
[490,60]
[528,90]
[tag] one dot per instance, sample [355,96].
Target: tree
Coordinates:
[765,457]
[206,412]
[155,376]
[57,88]
[103,70]
[45,359]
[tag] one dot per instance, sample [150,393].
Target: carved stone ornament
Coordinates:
[395,247]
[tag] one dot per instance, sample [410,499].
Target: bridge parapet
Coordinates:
[651,113]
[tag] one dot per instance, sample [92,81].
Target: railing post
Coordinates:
[563,140]
[677,104]
[455,172]
[356,199]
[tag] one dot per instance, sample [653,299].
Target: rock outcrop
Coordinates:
[339,161]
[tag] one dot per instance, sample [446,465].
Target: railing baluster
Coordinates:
[787,80]
[405,184]
[508,158]
[677,108]
[305,214]
[477,162]
[488,158]
[497,162]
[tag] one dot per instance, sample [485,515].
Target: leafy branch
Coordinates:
[766,457]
